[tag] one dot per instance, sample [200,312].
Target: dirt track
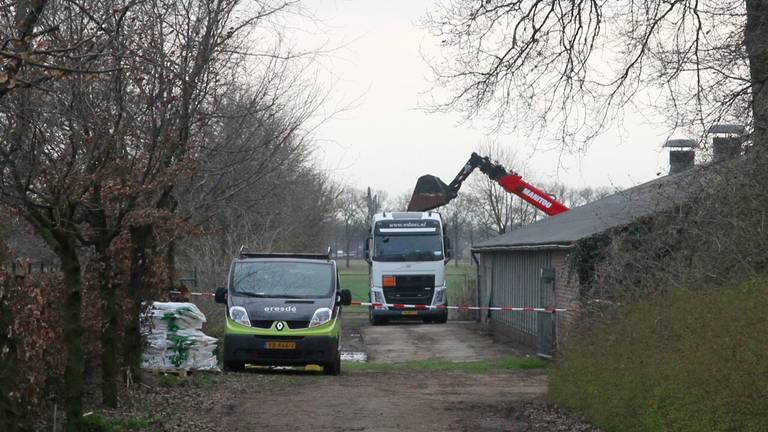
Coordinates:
[454,341]
[402,400]
[389,402]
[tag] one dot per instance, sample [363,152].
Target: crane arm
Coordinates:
[515,184]
[431,192]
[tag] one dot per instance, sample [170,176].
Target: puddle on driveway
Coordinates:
[352,356]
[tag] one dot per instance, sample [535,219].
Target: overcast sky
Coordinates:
[385,141]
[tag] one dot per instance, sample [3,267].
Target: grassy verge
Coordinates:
[687,361]
[196,380]
[101,423]
[500,365]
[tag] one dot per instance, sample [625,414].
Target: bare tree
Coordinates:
[374,201]
[573,66]
[253,171]
[399,202]
[575,197]
[51,149]
[33,52]
[352,209]
[99,150]
[497,211]
[458,216]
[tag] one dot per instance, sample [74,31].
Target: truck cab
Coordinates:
[407,253]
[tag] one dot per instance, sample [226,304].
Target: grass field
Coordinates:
[687,360]
[355,279]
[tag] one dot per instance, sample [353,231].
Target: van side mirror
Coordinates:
[367,249]
[220,296]
[448,249]
[345,297]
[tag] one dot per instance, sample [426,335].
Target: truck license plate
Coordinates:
[410,312]
[280,345]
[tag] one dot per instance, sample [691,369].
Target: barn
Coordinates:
[532,266]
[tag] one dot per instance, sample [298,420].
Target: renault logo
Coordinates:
[280,326]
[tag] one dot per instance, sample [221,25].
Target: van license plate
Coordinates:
[410,312]
[280,345]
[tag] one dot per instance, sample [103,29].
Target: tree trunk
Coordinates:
[73,332]
[109,314]
[169,256]
[756,41]
[346,250]
[12,416]
[456,244]
[141,238]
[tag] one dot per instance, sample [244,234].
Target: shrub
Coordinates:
[692,359]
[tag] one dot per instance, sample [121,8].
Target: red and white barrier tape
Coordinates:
[459,307]
[193,293]
[427,307]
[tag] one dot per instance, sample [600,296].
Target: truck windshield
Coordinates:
[407,248]
[272,279]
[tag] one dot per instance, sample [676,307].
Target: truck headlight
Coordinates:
[321,316]
[378,297]
[439,297]
[239,315]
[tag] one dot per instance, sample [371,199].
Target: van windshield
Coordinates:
[275,279]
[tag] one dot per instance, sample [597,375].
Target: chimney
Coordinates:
[681,154]
[726,142]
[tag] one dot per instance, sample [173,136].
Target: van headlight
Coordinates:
[239,315]
[321,316]
[439,296]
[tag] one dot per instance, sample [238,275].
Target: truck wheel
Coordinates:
[334,367]
[378,321]
[234,366]
[373,319]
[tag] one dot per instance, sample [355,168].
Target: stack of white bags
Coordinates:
[174,340]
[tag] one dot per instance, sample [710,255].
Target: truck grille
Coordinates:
[414,281]
[411,289]
[409,296]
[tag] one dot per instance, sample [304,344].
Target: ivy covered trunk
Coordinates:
[109,318]
[141,240]
[755,37]
[12,416]
[73,332]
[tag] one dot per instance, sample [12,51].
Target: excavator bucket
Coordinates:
[430,192]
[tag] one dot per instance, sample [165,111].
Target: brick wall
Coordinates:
[566,294]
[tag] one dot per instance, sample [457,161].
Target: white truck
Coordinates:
[407,253]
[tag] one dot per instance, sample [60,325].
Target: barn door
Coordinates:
[545,322]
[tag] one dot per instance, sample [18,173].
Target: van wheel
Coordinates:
[234,366]
[334,367]
[442,320]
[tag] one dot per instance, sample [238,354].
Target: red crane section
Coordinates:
[431,192]
[515,184]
